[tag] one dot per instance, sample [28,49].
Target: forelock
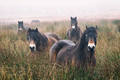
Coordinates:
[91,29]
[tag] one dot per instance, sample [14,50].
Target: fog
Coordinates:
[13,9]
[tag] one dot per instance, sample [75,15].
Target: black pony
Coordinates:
[74,33]
[40,42]
[21,27]
[81,54]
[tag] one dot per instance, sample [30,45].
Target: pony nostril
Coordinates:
[32,48]
[91,48]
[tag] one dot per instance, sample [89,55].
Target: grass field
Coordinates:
[18,63]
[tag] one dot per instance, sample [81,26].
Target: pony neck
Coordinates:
[42,40]
[81,46]
[82,52]
[76,26]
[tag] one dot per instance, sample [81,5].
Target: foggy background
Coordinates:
[58,9]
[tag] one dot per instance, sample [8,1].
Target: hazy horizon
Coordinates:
[18,9]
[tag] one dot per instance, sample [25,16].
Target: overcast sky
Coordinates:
[48,8]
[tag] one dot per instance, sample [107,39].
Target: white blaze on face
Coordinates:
[73,27]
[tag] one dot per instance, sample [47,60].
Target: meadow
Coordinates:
[18,63]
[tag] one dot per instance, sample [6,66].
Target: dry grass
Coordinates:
[17,62]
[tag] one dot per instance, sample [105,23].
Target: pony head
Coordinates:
[32,37]
[91,38]
[74,22]
[20,25]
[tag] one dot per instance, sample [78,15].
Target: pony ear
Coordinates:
[37,29]
[29,29]
[75,17]
[86,27]
[96,27]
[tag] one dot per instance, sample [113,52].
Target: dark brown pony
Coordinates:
[21,27]
[81,54]
[74,33]
[40,42]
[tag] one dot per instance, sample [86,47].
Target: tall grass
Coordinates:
[18,63]
[117,22]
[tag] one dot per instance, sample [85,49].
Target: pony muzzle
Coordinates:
[20,29]
[32,47]
[73,27]
[91,46]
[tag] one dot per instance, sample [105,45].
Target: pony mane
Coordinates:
[81,42]
[42,40]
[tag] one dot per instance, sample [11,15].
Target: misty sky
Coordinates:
[57,8]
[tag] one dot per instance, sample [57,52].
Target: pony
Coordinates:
[82,54]
[21,27]
[40,42]
[35,22]
[74,32]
